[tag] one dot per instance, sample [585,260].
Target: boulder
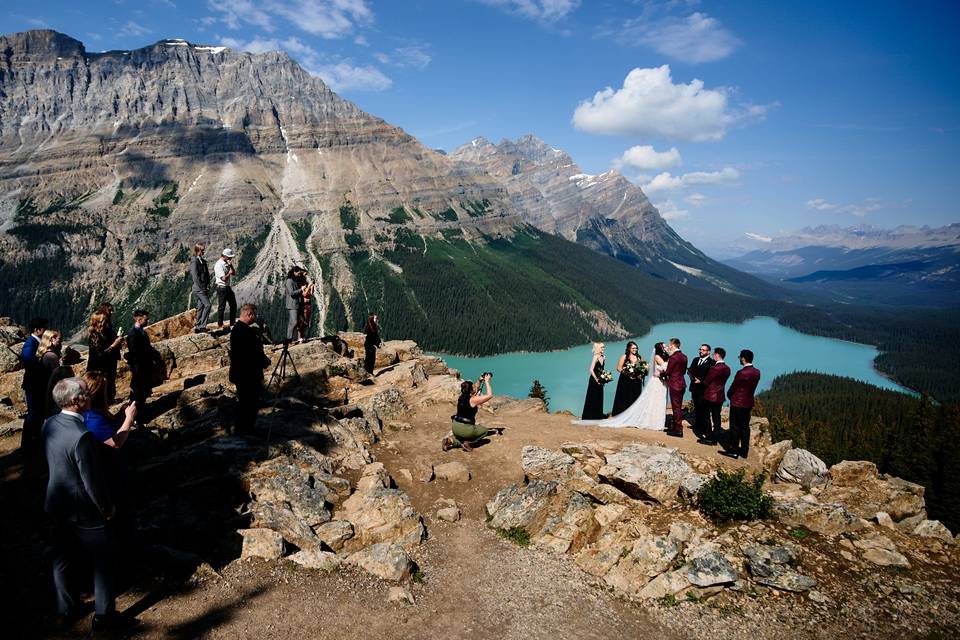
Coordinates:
[9,361]
[400,595]
[933,529]
[886,558]
[707,567]
[173,327]
[802,467]
[386,405]
[335,533]
[521,506]
[387,561]
[644,471]
[826,519]
[381,515]
[545,464]
[772,456]
[648,557]
[283,483]
[670,583]
[448,514]
[859,487]
[281,519]
[452,472]
[261,543]
[372,476]
[772,566]
[884,520]
[788,580]
[315,559]
[10,335]
[571,530]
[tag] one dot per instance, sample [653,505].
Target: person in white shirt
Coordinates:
[222,271]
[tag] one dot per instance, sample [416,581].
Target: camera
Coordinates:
[485,374]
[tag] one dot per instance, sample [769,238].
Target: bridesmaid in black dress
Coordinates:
[593,404]
[628,387]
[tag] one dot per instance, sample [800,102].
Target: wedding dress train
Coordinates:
[647,412]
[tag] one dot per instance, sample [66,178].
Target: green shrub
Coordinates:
[517,535]
[447,214]
[349,218]
[729,496]
[399,215]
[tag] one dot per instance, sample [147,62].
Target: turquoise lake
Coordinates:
[777,350]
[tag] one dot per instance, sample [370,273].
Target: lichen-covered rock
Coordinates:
[335,533]
[858,486]
[707,567]
[384,560]
[381,515]
[386,405]
[545,464]
[315,559]
[569,531]
[261,543]
[802,467]
[669,583]
[521,506]
[648,557]
[9,361]
[827,519]
[772,456]
[643,471]
[788,580]
[933,529]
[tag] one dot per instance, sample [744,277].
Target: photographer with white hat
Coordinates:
[223,270]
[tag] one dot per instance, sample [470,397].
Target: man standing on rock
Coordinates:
[247,362]
[698,370]
[741,403]
[677,384]
[201,286]
[713,395]
[222,271]
[143,359]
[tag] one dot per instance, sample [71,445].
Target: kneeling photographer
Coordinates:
[465,428]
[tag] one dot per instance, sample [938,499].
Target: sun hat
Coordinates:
[228,253]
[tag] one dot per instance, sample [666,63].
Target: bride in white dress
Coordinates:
[650,409]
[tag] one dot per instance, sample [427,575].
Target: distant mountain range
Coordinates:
[904,266]
[113,164]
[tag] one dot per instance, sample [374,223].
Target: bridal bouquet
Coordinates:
[605,377]
[636,370]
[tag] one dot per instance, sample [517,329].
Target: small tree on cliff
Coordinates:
[538,391]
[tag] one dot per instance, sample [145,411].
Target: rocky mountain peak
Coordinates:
[39,44]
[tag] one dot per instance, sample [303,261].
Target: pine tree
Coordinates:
[538,391]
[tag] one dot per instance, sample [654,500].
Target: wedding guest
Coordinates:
[110,365]
[713,395]
[223,271]
[78,501]
[306,312]
[104,351]
[247,362]
[371,342]
[677,385]
[741,403]
[33,393]
[143,359]
[698,369]
[49,353]
[465,428]
[593,403]
[200,276]
[108,429]
[629,385]
[293,300]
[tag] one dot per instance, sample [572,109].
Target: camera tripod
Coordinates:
[280,371]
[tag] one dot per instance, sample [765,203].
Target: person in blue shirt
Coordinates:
[106,428]
[33,395]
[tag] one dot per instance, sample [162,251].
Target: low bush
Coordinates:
[730,496]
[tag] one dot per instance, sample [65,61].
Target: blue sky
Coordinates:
[737,118]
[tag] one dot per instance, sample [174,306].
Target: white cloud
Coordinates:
[646,158]
[693,39]
[669,182]
[339,74]
[412,56]
[361,41]
[867,206]
[542,10]
[329,19]
[650,104]
[758,237]
[670,211]
[696,200]
[343,76]
[132,30]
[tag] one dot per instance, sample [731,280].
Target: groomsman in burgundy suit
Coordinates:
[677,383]
[741,403]
[713,394]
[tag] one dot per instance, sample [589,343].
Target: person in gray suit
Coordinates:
[78,502]
[201,286]
[293,294]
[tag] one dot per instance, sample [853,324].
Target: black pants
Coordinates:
[701,416]
[140,390]
[30,437]
[97,545]
[739,440]
[712,411]
[225,297]
[248,403]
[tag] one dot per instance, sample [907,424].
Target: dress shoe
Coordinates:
[730,454]
[674,434]
[113,622]
[707,441]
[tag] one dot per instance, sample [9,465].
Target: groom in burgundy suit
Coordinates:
[677,383]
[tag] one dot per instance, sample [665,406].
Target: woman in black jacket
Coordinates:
[370,343]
